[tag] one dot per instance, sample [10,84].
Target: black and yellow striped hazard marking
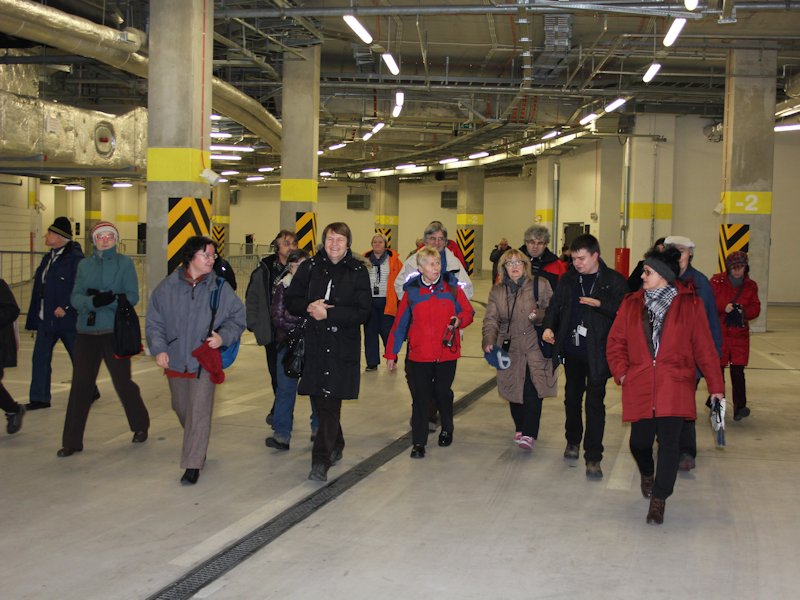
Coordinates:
[387,233]
[186,217]
[305,226]
[466,242]
[733,237]
[218,235]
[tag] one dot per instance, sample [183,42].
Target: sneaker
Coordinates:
[517,437]
[526,442]
[686,462]
[319,472]
[273,442]
[593,470]
[15,420]
[571,451]
[741,413]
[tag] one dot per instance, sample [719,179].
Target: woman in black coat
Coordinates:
[332,290]
[9,311]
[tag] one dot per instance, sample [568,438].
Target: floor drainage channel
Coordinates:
[232,556]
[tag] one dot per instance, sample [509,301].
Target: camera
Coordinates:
[450,334]
[735,318]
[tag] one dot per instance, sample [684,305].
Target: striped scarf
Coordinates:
[658,302]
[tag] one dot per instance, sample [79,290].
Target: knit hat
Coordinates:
[61,226]
[664,263]
[498,358]
[736,259]
[104,227]
[679,240]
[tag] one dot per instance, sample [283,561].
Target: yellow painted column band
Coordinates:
[299,190]
[126,218]
[545,214]
[94,214]
[647,210]
[387,220]
[469,219]
[747,203]
[221,219]
[176,164]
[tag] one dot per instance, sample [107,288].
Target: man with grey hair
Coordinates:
[543,261]
[435,235]
[702,287]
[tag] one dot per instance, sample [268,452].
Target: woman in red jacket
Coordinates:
[659,338]
[431,311]
[737,303]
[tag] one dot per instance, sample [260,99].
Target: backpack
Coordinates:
[227,353]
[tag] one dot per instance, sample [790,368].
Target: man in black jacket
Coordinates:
[577,322]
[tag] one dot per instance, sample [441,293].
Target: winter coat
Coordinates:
[453,265]
[395,266]
[547,265]
[610,288]
[333,345]
[258,300]
[735,340]
[282,321]
[179,315]
[662,386]
[524,350]
[105,270]
[423,316]
[9,311]
[55,292]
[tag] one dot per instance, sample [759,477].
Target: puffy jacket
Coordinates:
[662,386]
[423,317]
[452,265]
[735,340]
[55,292]
[548,265]
[333,345]
[395,266]
[179,315]
[9,311]
[105,271]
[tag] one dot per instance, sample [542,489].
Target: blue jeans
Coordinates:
[42,370]
[285,396]
[378,324]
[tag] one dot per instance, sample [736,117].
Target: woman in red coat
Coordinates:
[658,340]
[737,303]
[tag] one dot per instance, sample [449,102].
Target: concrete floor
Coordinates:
[480,519]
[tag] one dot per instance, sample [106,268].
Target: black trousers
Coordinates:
[578,382]
[528,414]
[667,430]
[7,403]
[738,385]
[688,439]
[329,435]
[430,382]
[90,351]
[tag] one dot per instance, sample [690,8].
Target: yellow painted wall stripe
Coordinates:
[127,218]
[220,219]
[176,164]
[646,210]
[546,214]
[387,220]
[747,203]
[469,219]
[299,190]
[94,214]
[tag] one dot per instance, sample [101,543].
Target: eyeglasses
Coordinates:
[435,239]
[207,256]
[647,272]
[105,236]
[535,242]
[514,263]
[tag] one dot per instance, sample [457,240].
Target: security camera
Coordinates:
[210,176]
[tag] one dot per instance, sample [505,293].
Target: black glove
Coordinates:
[103,298]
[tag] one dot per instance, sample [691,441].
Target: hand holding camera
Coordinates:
[450,333]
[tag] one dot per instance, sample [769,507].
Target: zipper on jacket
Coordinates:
[654,388]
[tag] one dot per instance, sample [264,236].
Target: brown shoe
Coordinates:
[647,485]
[655,515]
[686,462]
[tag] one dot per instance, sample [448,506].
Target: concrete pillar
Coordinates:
[387,211]
[92,197]
[469,217]
[547,190]
[179,106]
[300,143]
[221,218]
[748,157]
[605,218]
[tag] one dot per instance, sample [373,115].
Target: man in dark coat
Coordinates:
[50,314]
[577,322]
[543,262]
[332,290]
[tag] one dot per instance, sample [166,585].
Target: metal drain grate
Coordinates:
[232,556]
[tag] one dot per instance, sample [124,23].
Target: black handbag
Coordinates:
[295,357]
[127,332]
[547,349]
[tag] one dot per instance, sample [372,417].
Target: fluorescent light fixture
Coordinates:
[223,148]
[396,111]
[255,178]
[524,39]
[320,152]
[390,63]
[478,155]
[690,4]
[358,28]
[378,126]
[122,184]
[222,180]
[674,31]
[264,169]
[651,72]
[220,135]
[74,188]
[325,173]
[370,170]
[366,136]
[399,98]
[215,118]
[795,127]
[588,119]
[616,104]
[336,146]
[225,157]
[408,166]
[551,135]
[229,172]
[445,161]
